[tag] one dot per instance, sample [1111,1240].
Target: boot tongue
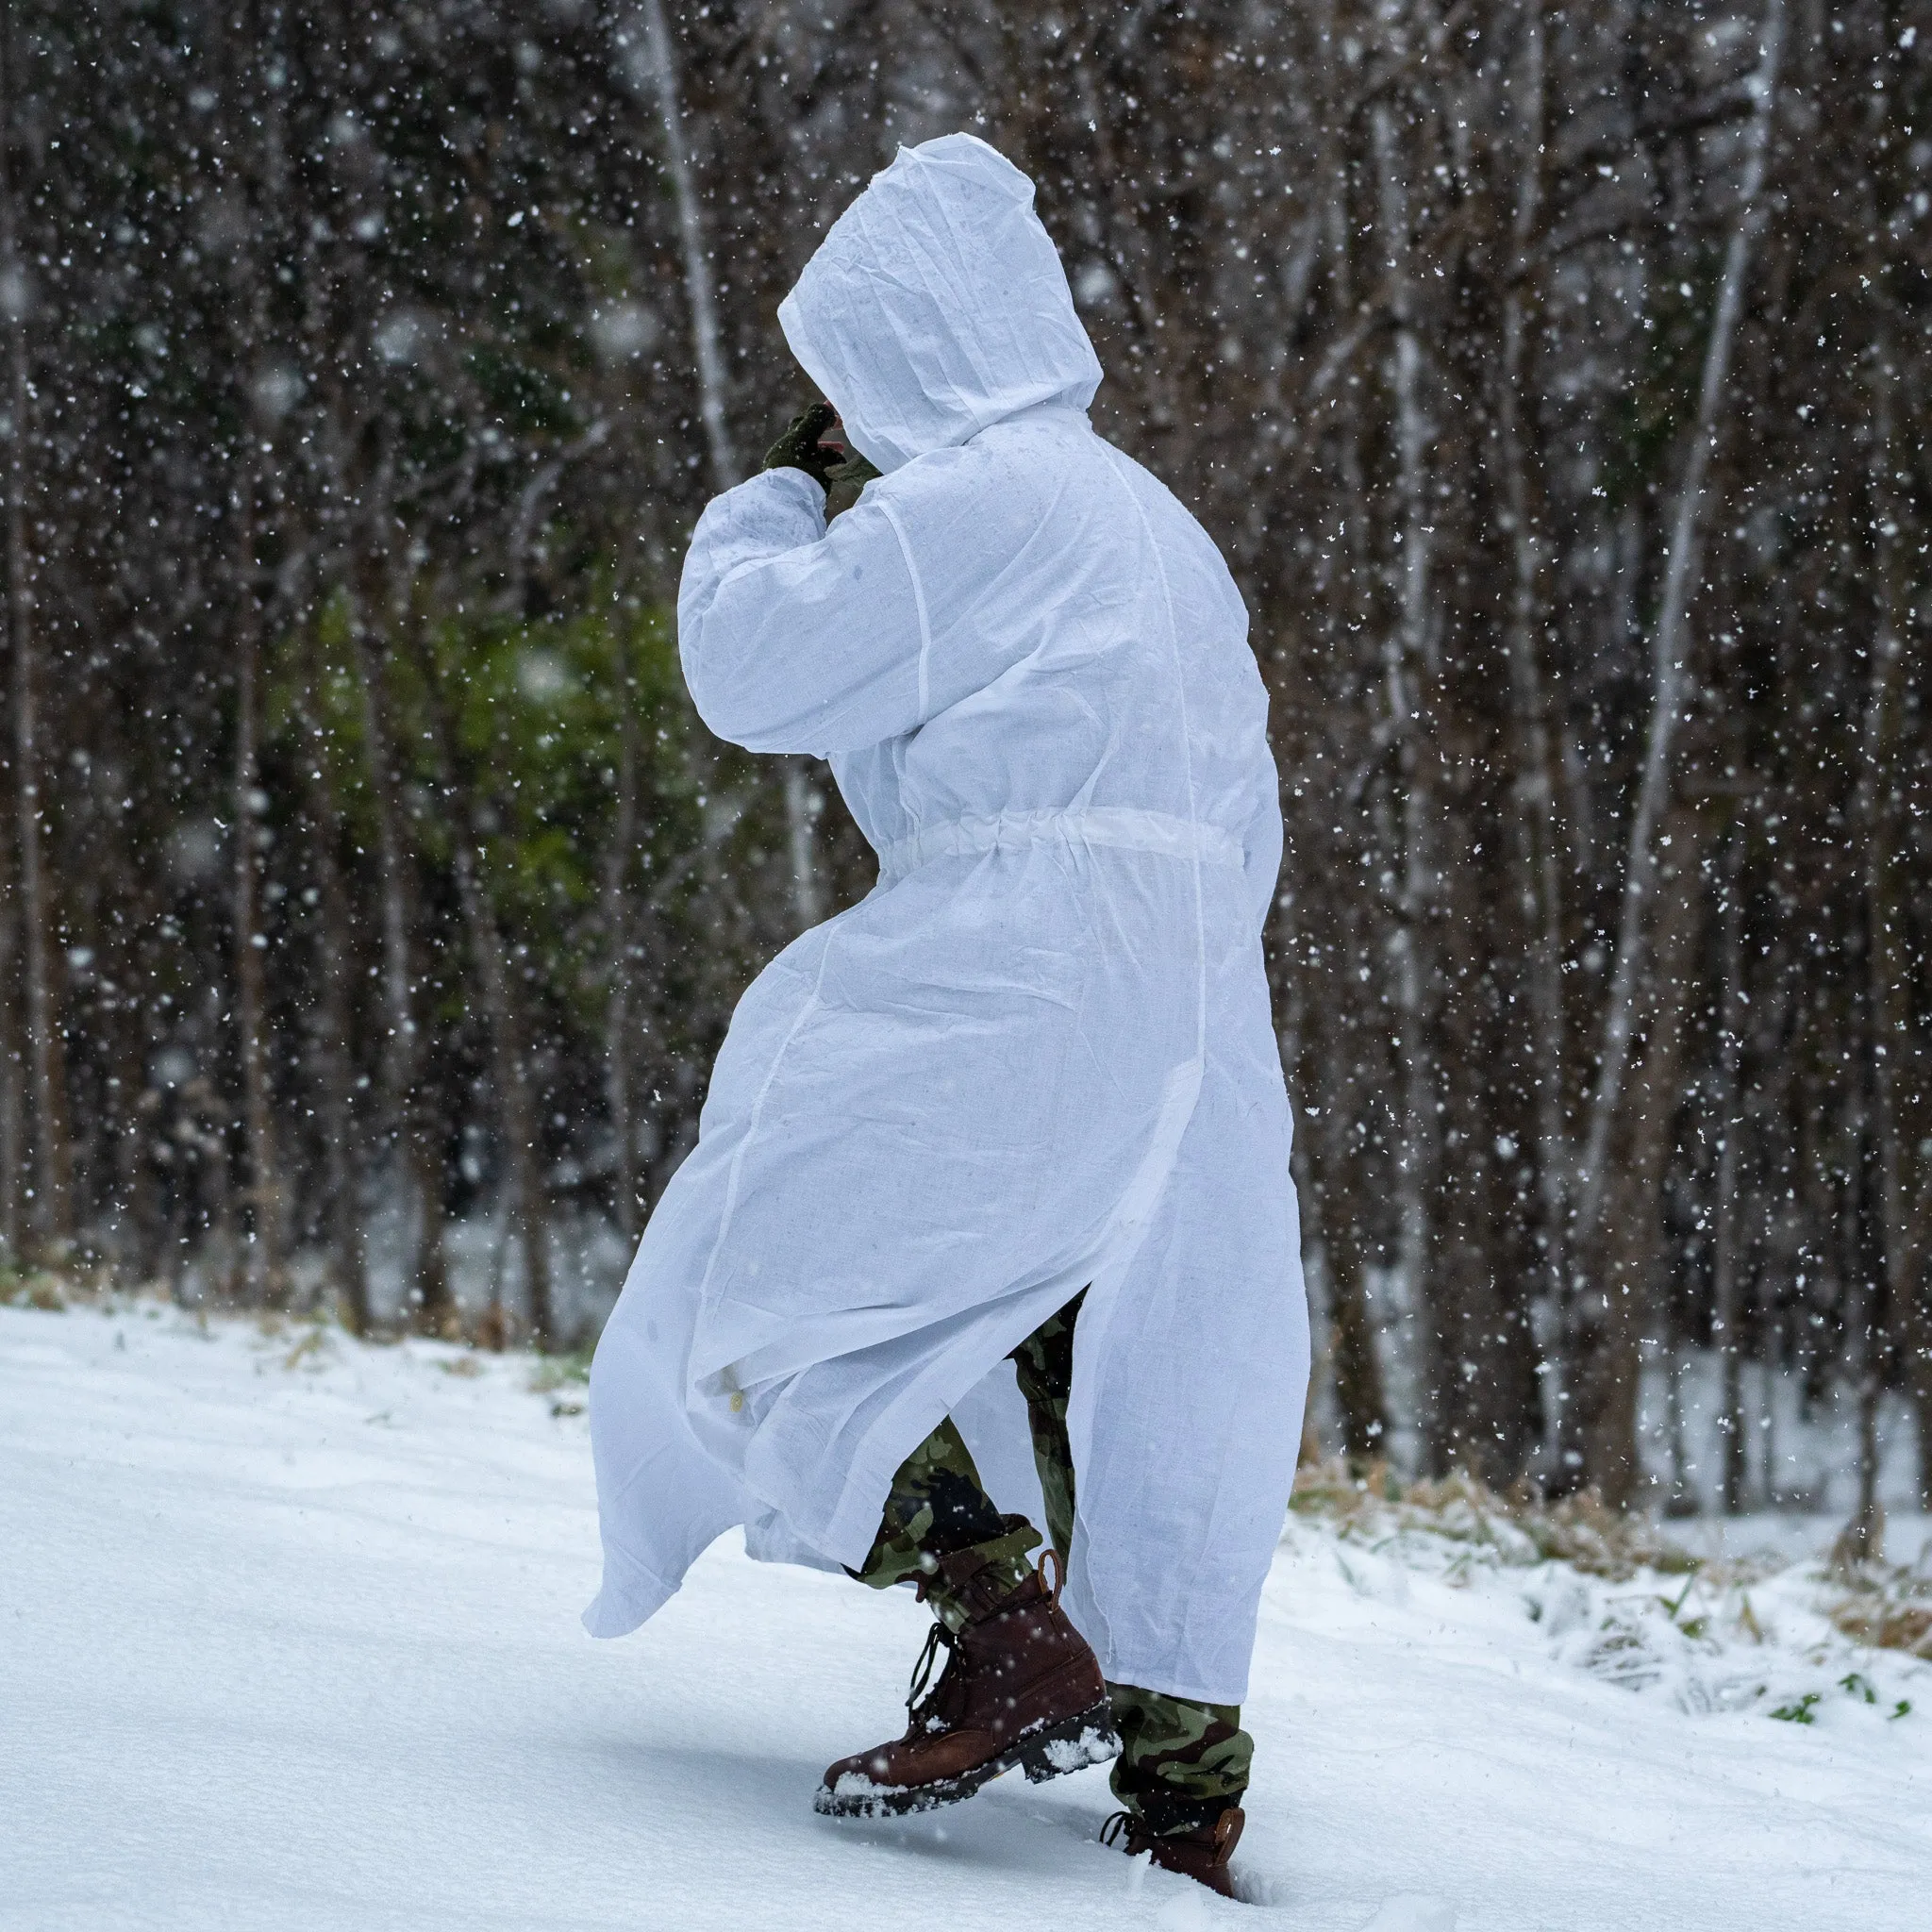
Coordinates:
[986,1593]
[983,1583]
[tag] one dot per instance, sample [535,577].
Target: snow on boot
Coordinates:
[1201,1854]
[1019,1687]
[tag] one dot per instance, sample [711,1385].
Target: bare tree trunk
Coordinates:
[1682,1500]
[1331,1219]
[1908,1307]
[1405,652]
[1914,1321]
[343,1168]
[802,804]
[1862,1540]
[427,1151]
[1338,1198]
[1671,669]
[1787,1341]
[263,1266]
[618,929]
[1605,1406]
[1888,1034]
[13,310]
[649,62]
[254,481]
[408,1116]
[13,316]
[1536,825]
[1727,1317]
[1359,1392]
[12,1121]
[510,1066]
[49,1218]
[1671,647]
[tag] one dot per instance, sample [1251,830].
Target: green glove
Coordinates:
[853,473]
[799,448]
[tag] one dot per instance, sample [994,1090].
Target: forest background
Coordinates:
[1554,376]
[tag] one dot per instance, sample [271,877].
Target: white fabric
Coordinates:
[895,321]
[1117,826]
[1040,1054]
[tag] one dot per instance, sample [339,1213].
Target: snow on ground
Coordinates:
[288,1640]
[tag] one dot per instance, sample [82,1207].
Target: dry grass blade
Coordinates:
[1889,1608]
[1520,1526]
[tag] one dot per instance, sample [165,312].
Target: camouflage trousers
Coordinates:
[1181,1763]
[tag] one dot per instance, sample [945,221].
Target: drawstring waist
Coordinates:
[1123,828]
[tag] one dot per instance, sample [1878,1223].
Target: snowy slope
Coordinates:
[288,1640]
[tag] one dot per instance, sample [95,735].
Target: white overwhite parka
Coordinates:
[1039,1055]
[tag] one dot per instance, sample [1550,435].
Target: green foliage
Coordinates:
[527,399]
[535,708]
[561,1372]
[1856,1684]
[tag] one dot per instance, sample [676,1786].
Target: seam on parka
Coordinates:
[1113,461]
[891,516]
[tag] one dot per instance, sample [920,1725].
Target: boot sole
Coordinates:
[1071,1743]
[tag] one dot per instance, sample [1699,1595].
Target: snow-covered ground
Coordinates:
[288,1639]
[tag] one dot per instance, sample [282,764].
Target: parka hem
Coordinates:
[631,1596]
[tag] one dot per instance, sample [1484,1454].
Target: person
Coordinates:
[1017,1119]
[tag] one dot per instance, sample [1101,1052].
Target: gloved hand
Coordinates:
[799,448]
[853,473]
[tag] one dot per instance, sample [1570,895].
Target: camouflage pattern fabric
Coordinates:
[937,1507]
[1181,1763]
[1043,1366]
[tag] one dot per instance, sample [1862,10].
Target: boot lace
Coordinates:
[938,1639]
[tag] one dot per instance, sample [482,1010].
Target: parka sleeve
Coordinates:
[796,638]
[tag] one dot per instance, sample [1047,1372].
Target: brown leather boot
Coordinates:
[1019,1687]
[1201,1854]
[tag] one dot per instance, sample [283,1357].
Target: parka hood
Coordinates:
[937,304]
